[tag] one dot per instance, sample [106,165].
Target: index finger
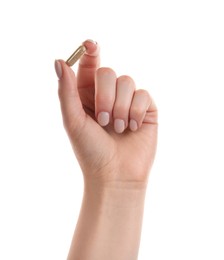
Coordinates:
[88,64]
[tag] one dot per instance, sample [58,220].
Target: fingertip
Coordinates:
[66,78]
[58,68]
[92,48]
[119,125]
[63,63]
[90,41]
[133,125]
[66,70]
[103,118]
[59,65]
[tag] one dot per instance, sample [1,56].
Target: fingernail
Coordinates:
[119,125]
[103,118]
[92,41]
[133,125]
[58,68]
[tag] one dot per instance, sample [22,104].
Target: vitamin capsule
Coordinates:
[76,55]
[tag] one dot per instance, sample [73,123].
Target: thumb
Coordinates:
[71,107]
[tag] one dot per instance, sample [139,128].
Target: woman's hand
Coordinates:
[113,130]
[111,125]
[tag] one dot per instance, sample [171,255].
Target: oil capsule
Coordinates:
[78,53]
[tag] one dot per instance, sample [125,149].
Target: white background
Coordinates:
[172,48]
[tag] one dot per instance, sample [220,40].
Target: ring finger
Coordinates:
[125,88]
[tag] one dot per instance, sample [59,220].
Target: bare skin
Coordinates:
[115,150]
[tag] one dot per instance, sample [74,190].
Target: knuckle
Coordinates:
[60,93]
[72,127]
[105,100]
[136,112]
[144,93]
[127,80]
[105,71]
[120,111]
[68,123]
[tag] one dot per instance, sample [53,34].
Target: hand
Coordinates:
[111,125]
[113,130]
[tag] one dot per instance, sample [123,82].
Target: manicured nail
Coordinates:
[119,125]
[133,125]
[92,41]
[58,68]
[103,118]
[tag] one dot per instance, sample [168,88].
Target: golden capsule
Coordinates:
[78,53]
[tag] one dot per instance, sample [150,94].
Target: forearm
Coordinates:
[109,225]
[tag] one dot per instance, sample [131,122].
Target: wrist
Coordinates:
[115,194]
[110,221]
